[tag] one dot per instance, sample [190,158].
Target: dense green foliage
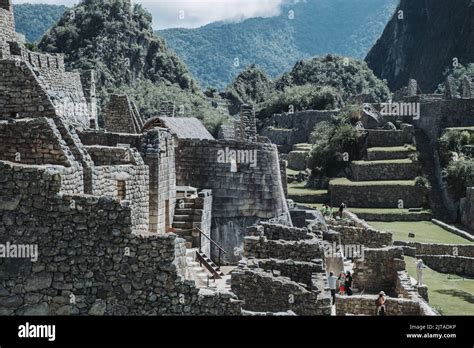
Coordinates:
[459,175]
[251,86]
[35,20]
[458,163]
[348,76]
[117,41]
[349,28]
[451,144]
[334,144]
[319,84]
[149,96]
[456,75]
[299,98]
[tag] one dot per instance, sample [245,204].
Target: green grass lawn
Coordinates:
[385,211]
[297,188]
[347,182]
[425,232]
[292,172]
[406,148]
[395,161]
[449,294]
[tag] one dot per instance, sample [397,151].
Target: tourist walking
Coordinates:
[380,304]
[419,271]
[332,280]
[348,283]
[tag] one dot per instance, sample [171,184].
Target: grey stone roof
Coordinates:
[186,127]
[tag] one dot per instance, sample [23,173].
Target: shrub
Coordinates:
[331,140]
[423,182]
[452,141]
[300,98]
[458,175]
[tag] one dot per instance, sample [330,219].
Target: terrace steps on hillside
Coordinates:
[395,169]
[389,153]
[376,194]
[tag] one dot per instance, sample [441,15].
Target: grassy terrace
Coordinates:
[425,232]
[449,294]
[347,182]
[297,188]
[408,148]
[291,172]
[395,161]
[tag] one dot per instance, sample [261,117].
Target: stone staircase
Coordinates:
[200,264]
[386,176]
[195,271]
[184,219]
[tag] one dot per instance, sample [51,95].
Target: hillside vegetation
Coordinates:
[34,20]
[218,52]
[118,42]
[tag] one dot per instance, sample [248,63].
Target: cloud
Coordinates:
[195,13]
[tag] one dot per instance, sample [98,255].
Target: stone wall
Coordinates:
[297,271]
[84,243]
[438,115]
[415,248]
[378,196]
[7,25]
[158,151]
[111,168]
[262,248]
[381,138]
[7,21]
[377,271]
[460,265]
[467,208]
[370,171]
[365,305]
[352,235]
[203,219]
[286,130]
[121,115]
[102,138]
[53,93]
[241,198]
[33,141]
[247,130]
[263,292]
[274,232]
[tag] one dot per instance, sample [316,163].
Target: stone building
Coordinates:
[101,202]
[94,204]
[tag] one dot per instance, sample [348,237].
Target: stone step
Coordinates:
[377,194]
[186,211]
[400,169]
[181,218]
[183,232]
[183,225]
[185,205]
[389,153]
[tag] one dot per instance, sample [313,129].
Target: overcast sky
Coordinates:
[167,13]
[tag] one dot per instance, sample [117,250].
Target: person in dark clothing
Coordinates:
[348,283]
[341,210]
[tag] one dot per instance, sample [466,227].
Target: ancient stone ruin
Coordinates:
[141,217]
